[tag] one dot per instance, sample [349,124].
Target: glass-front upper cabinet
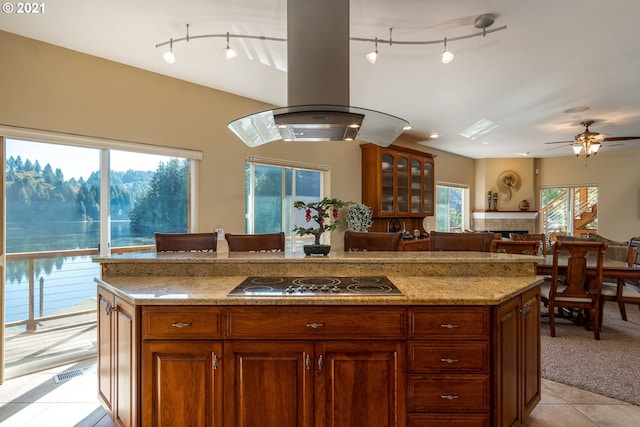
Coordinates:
[397,182]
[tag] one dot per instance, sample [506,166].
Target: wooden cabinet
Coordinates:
[517,382]
[449,366]
[118,358]
[319,365]
[397,182]
[181,379]
[309,381]
[414,245]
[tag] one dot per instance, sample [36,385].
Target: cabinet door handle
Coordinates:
[320,363]
[449,326]
[315,325]
[307,362]
[449,396]
[449,360]
[180,325]
[526,310]
[215,361]
[109,309]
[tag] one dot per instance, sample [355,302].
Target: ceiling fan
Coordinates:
[589,142]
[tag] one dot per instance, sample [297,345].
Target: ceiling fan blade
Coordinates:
[559,146]
[559,142]
[621,138]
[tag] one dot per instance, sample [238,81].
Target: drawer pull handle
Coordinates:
[180,325]
[450,326]
[449,396]
[449,360]
[315,325]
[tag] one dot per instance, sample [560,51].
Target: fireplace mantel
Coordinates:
[518,215]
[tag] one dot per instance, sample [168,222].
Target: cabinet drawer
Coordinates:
[163,322]
[449,420]
[335,323]
[453,393]
[442,357]
[449,323]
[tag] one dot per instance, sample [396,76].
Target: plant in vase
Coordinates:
[359,217]
[325,215]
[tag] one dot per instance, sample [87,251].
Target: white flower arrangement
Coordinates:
[359,217]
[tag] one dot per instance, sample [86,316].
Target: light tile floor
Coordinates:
[36,400]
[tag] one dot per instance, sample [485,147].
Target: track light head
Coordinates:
[169,57]
[446,55]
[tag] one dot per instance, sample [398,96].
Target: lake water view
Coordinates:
[65,281]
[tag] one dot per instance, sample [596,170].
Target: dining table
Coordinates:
[611,269]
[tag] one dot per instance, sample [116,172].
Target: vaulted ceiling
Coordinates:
[504,95]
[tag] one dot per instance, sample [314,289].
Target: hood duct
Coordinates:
[318,85]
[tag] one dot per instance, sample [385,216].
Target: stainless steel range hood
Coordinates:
[318,85]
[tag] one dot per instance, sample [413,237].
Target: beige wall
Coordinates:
[53,89]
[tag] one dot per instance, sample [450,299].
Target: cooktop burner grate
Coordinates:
[308,286]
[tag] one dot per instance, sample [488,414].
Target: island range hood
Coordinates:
[318,85]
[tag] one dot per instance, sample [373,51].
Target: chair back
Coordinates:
[540,238]
[633,252]
[186,242]
[522,247]
[578,290]
[442,241]
[371,241]
[268,242]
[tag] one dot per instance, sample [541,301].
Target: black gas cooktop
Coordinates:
[308,286]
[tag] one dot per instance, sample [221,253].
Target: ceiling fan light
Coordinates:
[577,149]
[594,147]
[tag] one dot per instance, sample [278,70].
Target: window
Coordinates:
[451,203]
[570,210]
[270,191]
[56,221]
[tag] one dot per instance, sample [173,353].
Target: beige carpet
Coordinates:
[610,367]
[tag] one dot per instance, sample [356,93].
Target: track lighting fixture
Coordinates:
[481,22]
[373,55]
[230,53]
[168,56]
[446,55]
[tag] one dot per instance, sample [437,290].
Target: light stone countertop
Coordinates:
[418,290]
[425,278]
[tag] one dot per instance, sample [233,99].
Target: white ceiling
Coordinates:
[554,56]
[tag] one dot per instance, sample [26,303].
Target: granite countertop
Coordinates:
[418,290]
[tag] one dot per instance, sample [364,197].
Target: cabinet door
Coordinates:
[388,183]
[360,384]
[181,384]
[402,184]
[106,301]
[427,186]
[507,348]
[126,365]
[268,384]
[531,350]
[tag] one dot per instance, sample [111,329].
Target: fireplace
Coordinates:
[505,222]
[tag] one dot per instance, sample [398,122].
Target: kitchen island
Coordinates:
[459,347]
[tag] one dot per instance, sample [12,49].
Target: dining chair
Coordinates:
[267,242]
[523,247]
[540,238]
[443,241]
[371,241]
[625,291]
[186,242]
[575,290]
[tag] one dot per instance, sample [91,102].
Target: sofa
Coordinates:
[615,250]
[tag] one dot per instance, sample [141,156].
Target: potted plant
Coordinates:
[359,217]
[325,215]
